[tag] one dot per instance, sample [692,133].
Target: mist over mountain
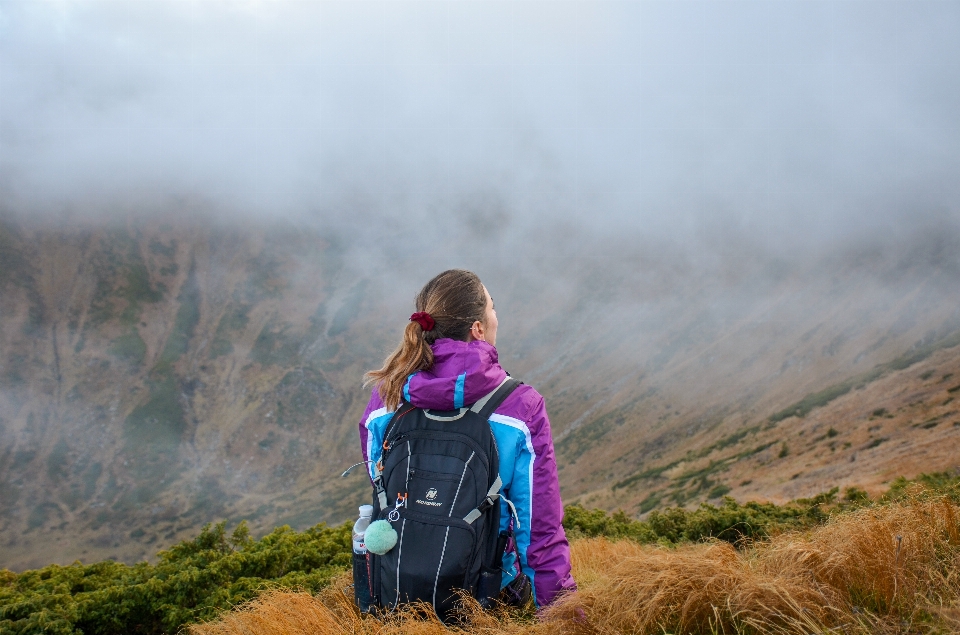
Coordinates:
[157,376]
[691,216]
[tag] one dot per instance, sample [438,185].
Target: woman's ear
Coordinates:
[477,332]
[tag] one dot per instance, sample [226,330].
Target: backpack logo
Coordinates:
[430,497]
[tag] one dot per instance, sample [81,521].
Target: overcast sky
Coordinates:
[788,120]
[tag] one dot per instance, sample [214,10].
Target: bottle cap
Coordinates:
[366,511]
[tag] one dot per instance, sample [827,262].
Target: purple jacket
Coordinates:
[462,373]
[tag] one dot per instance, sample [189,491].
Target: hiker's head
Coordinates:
[459,307]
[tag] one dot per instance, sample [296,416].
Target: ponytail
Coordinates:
[412,355]
[452,301]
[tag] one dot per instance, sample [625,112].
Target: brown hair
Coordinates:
[455,300]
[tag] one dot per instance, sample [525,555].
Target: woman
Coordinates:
[446,361]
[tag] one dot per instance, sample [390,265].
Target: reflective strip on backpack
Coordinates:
[427,414]
[436,580]
[446,534]
[403,526]
[460,484]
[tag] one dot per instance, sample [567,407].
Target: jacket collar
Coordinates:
[461,374]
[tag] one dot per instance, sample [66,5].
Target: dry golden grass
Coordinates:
[890,569]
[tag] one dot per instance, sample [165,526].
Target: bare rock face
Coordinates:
[156,377]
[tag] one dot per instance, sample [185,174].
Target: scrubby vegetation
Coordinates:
[875,570]
[698,478]
[811,566]
[730,522]
[192,581]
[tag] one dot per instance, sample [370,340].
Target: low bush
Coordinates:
[192,581]
[580,522]
[731,521]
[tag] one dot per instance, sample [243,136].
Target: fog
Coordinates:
[793,125]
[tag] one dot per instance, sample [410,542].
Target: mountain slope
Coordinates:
[155,376]
[154,381]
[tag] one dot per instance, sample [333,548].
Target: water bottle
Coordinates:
[361,565]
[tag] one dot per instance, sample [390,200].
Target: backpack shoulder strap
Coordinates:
[492,400]
[404,408]
[485,407]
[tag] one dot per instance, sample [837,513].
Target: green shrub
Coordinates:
[730,521]
[719,490]
[192,581]
[937,483]
[734,522]
[855,495]
[822,398]
[580,522]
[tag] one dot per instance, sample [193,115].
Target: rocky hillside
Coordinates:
[158,376]
[899,418]
[155,379]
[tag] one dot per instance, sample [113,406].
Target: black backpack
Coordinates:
[439,486]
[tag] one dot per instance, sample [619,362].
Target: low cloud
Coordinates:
[792,129]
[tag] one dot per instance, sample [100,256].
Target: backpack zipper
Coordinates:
[389,444]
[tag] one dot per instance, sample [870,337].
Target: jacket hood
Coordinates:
[461,374]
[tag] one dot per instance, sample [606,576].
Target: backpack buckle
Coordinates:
[486,504]
[381,493]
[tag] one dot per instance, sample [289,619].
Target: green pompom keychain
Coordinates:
[380,537]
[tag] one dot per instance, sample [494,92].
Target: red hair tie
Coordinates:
[424,320]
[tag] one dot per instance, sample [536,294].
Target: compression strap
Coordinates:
[491,499]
